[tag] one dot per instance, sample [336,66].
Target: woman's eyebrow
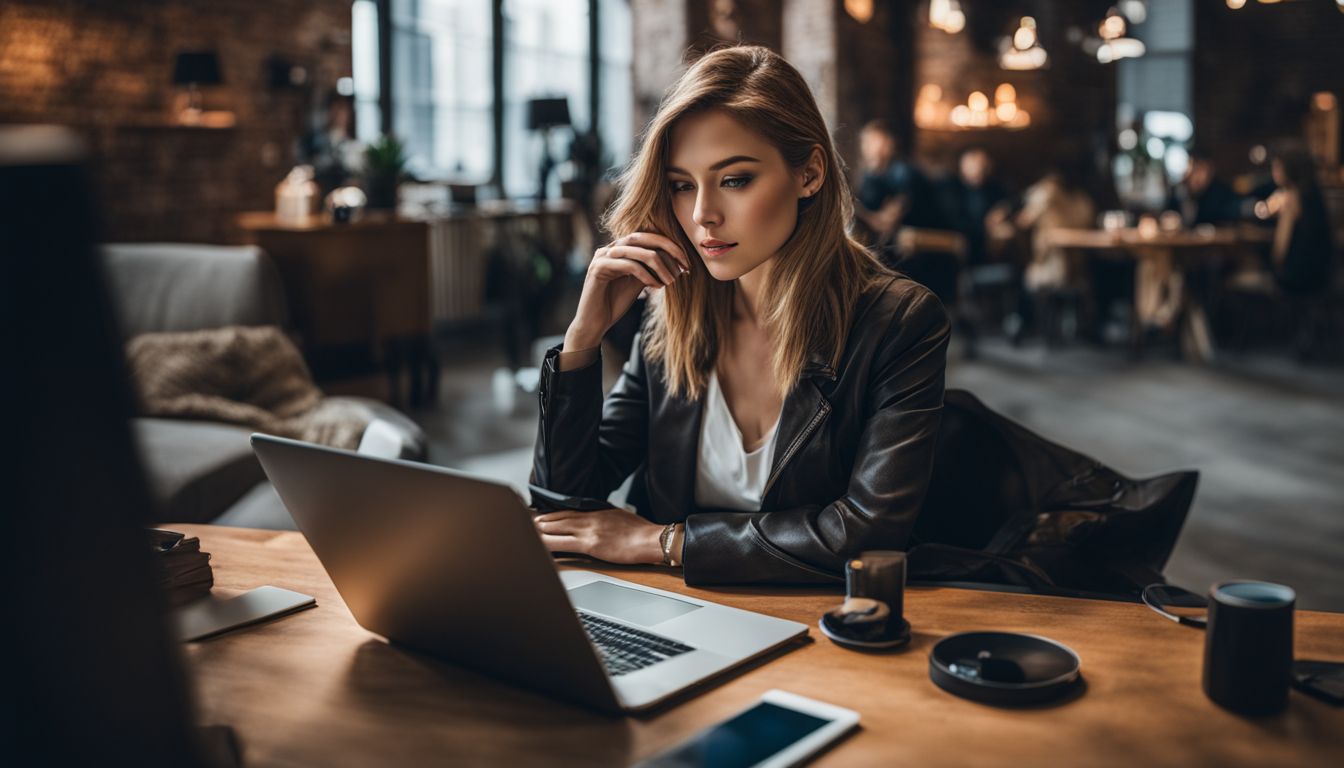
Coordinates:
[724,163]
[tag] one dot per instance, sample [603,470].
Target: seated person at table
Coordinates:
[780,406]
[976,203]
[1303,252]
[893,192]
[1057,201]
[1202,198]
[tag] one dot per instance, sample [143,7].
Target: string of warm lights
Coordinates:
[933,113]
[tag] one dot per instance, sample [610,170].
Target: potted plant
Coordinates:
[384,167]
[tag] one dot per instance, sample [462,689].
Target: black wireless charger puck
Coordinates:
[1004,668]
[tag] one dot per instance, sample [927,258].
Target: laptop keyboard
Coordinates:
[625,649]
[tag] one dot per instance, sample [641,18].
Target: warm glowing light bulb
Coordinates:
[977,101]
[956,21]
[1235,4]
[1024,38]
[930,92]
[1113,27]
[1324,101]
[1006,112]
[961,115]
[1005,93]
[860,10]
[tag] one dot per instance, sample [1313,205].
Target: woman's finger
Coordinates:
[649,258]
[655,240]
[557,515]
[614,268]
[561,543]
[561,527]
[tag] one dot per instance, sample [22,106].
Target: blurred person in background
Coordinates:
[976,204]
[892,192]
[330,146]
[1058,201]
[1203,198]
[1302,252]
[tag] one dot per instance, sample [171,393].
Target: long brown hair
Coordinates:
[808,302]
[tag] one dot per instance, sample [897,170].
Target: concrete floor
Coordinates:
[1266,434]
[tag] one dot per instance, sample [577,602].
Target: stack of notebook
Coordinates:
[185,573]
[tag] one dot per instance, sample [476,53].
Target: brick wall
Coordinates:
[1256,68]
[105,67]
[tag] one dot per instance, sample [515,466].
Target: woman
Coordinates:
[781,403]
[1302,250]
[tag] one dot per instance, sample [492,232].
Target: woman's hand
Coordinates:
[613,535]
[616,275]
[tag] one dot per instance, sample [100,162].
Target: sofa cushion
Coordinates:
[160,287]
[196,469]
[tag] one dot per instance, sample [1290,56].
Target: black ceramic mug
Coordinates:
[1248,652]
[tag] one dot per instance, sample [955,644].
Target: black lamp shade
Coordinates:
[547,113]
[197,68]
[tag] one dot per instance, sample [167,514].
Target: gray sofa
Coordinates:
[204,472]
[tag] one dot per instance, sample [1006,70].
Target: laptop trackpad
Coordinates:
[632,605]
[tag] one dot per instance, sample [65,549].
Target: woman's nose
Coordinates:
[707,213]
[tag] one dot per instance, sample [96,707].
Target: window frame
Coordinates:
[385,77]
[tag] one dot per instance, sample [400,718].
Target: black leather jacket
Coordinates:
[851,466]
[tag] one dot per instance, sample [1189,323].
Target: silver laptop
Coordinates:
[450,564]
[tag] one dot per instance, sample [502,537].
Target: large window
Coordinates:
[441,86]
[1155,105]
[616,59]
[443,93]
[364,67]
[545,55]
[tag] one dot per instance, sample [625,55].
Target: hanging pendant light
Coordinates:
[1023,50]
[1115,42]
[947,16]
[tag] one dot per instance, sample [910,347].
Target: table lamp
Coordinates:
[193,69]
[543,115]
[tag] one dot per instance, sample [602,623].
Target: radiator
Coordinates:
[456,270]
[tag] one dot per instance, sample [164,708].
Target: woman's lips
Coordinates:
[718,250]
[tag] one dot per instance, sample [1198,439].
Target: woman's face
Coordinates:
[733,194]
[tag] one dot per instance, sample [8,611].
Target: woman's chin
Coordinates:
[727,270]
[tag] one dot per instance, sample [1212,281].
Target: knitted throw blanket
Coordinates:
[253,376]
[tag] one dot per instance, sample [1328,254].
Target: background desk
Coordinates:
[1159,255]
[316,689]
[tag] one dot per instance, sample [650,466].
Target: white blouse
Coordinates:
[727,476]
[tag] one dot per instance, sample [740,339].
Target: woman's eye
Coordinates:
[681,186]
[736,182]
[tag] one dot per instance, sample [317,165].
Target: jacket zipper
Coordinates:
[822,411]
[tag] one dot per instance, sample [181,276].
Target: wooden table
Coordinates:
[1166,258]
[316,689]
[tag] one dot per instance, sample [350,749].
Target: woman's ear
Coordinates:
[813,172]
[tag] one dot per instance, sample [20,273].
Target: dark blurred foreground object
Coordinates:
[95,679]
[1007,507]
[185,573]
